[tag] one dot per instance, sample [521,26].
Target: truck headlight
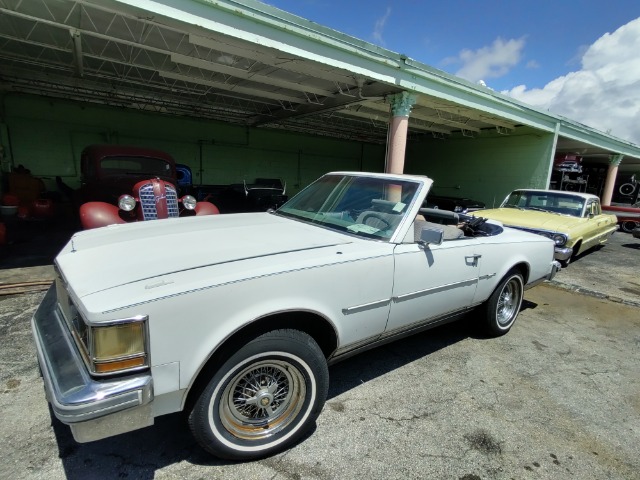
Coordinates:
[189,202]
[118,347]
[126,203]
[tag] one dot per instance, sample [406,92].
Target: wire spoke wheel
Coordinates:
[503,306]
[262,399]
[508,302]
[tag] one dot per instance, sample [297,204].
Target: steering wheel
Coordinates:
[375,216]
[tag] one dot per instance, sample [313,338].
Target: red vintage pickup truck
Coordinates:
[628,215]
[122,184]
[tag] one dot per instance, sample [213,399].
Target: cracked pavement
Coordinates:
[558,397]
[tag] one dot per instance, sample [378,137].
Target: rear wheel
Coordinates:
[264,398]
[628,226]
[503,306]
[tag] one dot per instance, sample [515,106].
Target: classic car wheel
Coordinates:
[628,226]
[503,306]
[264,398]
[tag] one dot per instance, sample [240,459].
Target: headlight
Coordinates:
[118,347]
[559,239]
[126,203]
[189,202]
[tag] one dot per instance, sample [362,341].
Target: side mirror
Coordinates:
[431,236]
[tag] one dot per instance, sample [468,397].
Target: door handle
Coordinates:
[472,259]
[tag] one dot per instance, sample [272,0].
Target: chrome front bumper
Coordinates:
[93,408]
[563,253]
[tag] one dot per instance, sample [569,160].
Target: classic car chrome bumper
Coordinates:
[555,268]
[563,253]
[94,409]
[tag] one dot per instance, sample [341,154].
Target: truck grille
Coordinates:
[149,201]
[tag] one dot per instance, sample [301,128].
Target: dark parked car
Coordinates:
[122,184]
[261,195]
[455,204]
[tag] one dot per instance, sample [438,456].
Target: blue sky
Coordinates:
[533,51]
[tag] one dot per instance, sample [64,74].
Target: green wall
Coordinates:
[486,167]
[47,136]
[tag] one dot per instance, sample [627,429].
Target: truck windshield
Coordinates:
[126,165]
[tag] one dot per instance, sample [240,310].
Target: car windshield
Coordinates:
[560,203]
[372,207]
[127,165]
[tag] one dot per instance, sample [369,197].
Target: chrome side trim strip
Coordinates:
[232,282]
[366,306]
[441,288]
[486,277]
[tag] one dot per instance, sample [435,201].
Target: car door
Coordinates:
[599,225]
[432,281]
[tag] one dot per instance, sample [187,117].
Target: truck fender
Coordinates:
[206,208]
[99,214]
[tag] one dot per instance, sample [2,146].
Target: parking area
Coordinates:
[558,397]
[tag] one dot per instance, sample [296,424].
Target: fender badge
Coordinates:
[156,285]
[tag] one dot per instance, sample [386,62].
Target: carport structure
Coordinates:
[256,68]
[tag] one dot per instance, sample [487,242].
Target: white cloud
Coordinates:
[604,93]
[489,62]
[379,27]
[532,64]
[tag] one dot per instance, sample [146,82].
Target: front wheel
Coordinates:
[503,306]
[263,398]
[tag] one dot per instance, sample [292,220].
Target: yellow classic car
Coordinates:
[574,221]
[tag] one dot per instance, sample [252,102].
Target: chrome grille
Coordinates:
[172,202]
[148,202]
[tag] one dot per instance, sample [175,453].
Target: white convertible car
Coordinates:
[234,318]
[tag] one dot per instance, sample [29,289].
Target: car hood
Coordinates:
[103,258]
[533,219]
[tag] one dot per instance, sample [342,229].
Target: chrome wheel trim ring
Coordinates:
[262,399]
[509,302]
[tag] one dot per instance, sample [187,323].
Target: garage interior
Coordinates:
[240,90]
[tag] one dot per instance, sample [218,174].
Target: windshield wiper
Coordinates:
[513,206]
[540,210]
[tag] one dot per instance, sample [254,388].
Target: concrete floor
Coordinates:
[558,397]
